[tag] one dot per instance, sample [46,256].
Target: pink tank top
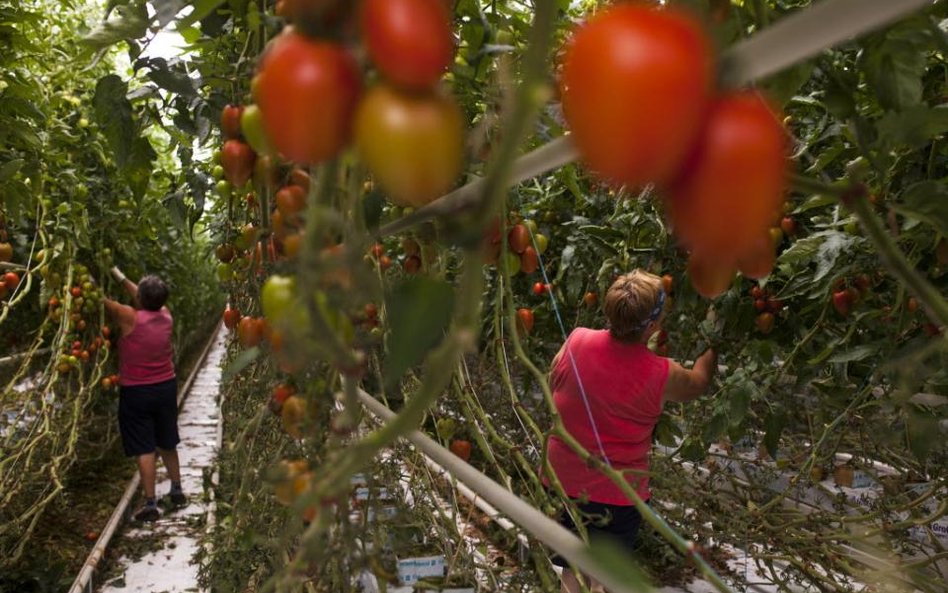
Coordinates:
[623,385]
[146,355]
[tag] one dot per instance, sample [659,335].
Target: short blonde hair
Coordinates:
[629,303]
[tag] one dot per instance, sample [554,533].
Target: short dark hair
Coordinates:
[152,293]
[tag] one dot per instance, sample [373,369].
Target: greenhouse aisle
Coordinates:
[158,556]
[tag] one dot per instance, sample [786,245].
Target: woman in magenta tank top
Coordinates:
[148,388]
[609,389]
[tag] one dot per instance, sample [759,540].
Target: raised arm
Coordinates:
[130,287]
[687,384]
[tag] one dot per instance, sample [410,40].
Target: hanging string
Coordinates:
[572,359]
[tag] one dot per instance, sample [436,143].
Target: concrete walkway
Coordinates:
[170,543]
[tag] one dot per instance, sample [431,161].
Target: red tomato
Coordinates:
[461,448]
[524,321]
[636,84]
[668,282]
[11,280]
[307,91]
[301,178]
[412,143]
[732,188]
[249,332]
[290,201]
[842,302]
[412,264]
[409,41]
[230,121]
[529,261]
[518,239]
[788,226]
[590,298]
[539,288]
[238,159]
[709,276]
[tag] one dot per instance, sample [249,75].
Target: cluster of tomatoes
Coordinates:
[10,280]
[84,338]
[847,294]
[767,306]
[310,101]
[638,94]
[525,245]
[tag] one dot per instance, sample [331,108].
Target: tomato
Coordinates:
[842,302]
[518,238]
[292,414]
[524,321]
[412,264]
[6,252]
[410,246]
[409,41]
[590,299]
[290,201]
[709,276]
[251,123]
[292,244]
[911,305]
[278,297]
[279,395]
[292,480]
[510,262]
[249,332]
[238,159]
[461,448]
[307,92]
[668,283]
[301,178]
[759,262]
[11,280]
[53,302]
[539,288]
[413,144]
[230,121]
[247,237]
[636,84]
[106,332]
[266,173]
[541,243]
[385,262]
[732,187]
[231,318]
[529,260]
[225,252]
[764,323]
[377,250]
[788,226]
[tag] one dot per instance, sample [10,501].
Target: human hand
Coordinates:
[117,274]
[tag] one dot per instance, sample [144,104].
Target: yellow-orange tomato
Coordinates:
[412,143]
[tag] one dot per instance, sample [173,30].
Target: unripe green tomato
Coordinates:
[511,262]
[542,243]
[531,226]
[277,296]
[83,123]
[216,157]
[251,124]
[217,172]
[224,272]
[223,188]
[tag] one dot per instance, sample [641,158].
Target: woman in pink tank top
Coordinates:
[609,389]
[148,409]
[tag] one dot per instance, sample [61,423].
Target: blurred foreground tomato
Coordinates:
[636,83]
[307,91]
[412,143]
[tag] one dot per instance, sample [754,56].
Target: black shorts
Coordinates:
[603,521]
[148,417]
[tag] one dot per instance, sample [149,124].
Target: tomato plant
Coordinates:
[411,143]
[636,83]
[307,91]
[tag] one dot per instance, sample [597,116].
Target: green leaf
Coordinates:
[202,8]
[926,201]
[740,397]
[240,363]
[783,86]
[833,245]
[857,353]
[175,80]
[131,22]
[614,559]
[113,113]
[773,427]
[714,428]
[914,127]
[9,169]
[420,312]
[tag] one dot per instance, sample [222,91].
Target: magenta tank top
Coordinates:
[623,384]
[146,355]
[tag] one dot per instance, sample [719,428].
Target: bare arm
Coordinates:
[130,287]
[687,384]
[121,315]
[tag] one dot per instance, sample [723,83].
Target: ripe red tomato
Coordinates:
[539,288]
[230,121]
[709,276]
[411,143]
[231,318]
[788,226]
[529,260]
[731,189]
[461,448]
[590,298]
[412,264]
[307,90]
[11,280]
[636,84]
[524,321]
[409,41]
[290,201]
[238,159]
[911,305]
[518,239]
[668,282]
[249,332]
[842,302]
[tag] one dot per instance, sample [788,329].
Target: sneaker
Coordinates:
[147,513]
[178,499]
